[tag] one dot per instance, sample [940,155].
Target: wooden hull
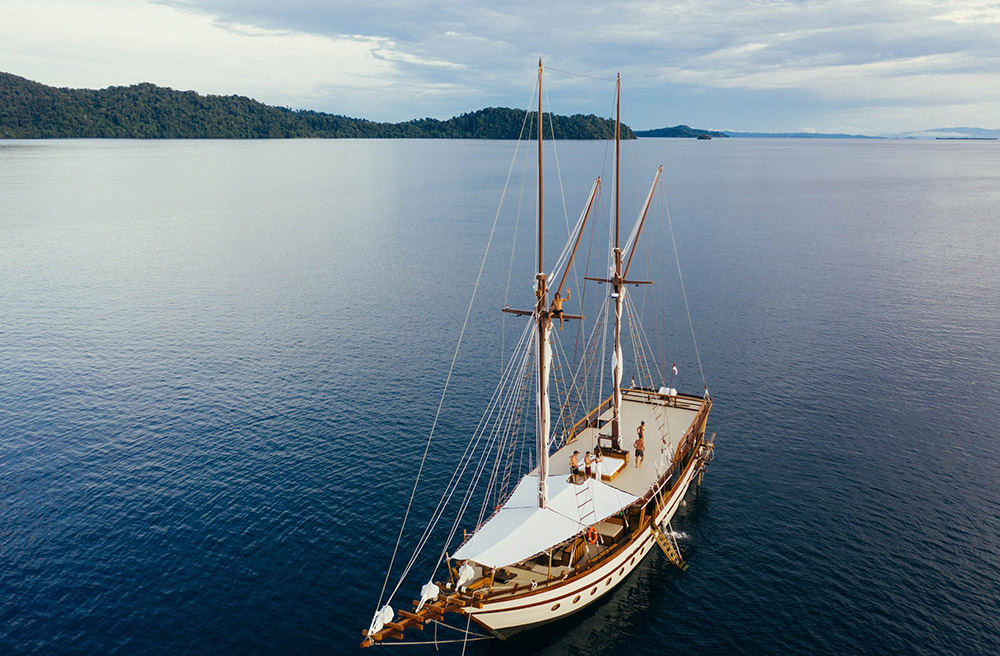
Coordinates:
[507,617]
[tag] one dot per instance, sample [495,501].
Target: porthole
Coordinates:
[608,582]
[556,607]
[576,599]
[593,592]
[632,562]
[621,571]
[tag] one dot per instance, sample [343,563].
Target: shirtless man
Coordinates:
[556,309]
[574,467]
[588,464]
[640,445]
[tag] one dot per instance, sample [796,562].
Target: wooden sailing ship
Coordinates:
[556,540]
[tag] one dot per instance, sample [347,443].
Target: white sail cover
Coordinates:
[521,529]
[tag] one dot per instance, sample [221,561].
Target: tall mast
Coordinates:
[618,153]
[616,279]
[544,324]
[540,241]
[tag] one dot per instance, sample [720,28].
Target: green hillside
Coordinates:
[29,110]
[679,131]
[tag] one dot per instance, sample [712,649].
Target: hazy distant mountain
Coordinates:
[29,110]
[950,133]
[940,133]
[678,131]
[798,135]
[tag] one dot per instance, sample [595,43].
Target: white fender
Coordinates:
[465,575]
[429,592]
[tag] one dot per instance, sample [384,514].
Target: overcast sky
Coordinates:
[857,66]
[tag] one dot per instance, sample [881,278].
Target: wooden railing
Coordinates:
[589,420]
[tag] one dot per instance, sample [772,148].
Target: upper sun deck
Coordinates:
[520,528]
[667,420]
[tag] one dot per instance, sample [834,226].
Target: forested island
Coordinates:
[680,132]
[30,110]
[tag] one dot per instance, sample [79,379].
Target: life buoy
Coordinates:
[592,535]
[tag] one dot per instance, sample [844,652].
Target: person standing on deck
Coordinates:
[640,444]
[556,309]
[574,467]
[588,464]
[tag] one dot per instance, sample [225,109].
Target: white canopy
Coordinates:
[521,529]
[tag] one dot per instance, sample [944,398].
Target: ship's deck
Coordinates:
[520,530]
[666,423]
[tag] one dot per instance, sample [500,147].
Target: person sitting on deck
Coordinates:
[640,444]
[556,309]
[574,467]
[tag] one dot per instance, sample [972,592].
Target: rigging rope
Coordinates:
[513,245]
[457,475]
[479,467]
[644,343]
[442,504]
[468,636]
[431,642]
[602,79]
[444,391]
[680,276]
[465,461]
[555,155]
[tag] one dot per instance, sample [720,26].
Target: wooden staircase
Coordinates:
[669,546]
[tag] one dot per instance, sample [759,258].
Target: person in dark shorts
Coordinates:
[588,464]
[574,466]
[556,309]
[640,444]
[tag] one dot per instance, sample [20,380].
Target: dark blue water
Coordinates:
[219,362]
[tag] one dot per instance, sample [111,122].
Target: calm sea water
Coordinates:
[219,362]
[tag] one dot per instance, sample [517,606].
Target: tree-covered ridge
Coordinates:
[29,110]
[680,131]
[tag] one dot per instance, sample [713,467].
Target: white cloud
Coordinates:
[119,42]
[978,12]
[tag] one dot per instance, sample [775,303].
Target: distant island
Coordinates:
[799,135]
[31,110]
[958,134]
[680,132]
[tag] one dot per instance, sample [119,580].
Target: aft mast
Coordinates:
[617,279]
[544,325]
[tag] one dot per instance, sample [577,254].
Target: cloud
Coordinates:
[118,42]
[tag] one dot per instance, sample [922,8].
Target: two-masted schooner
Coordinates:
[562,536]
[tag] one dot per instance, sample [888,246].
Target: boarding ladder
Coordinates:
[585,503]
[706,453]
[669,546]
